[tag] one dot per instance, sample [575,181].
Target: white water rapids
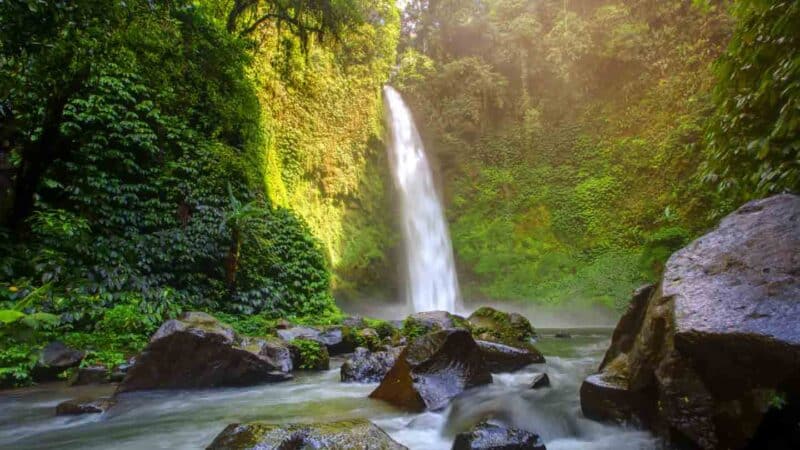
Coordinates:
[431,275]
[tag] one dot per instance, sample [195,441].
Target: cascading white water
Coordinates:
[432,283]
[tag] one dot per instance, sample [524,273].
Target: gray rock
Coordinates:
[540,380]
[54,359]
[504,358]
[97,374]
[696,357]
[357,434]
[368,367]
[198,351]
[489,436]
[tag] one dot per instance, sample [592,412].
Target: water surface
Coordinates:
[191,419]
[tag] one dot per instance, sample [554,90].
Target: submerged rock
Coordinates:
[55,358]
[84,406]
[489,324]
[540,380]
[198,351]
[433,369]
[504,358]
[700,357]
[368,367]
[489,436]
[358,434]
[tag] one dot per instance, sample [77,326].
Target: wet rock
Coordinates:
[699,357]
[290,334]
[84,406]
[335,339]
[433,369]
[489,324]
[358,434]
[540,380]
[54,359]
[273,349]
[490,436]
[504,358]
[369,338]
[563,335]
[97,374]
[368,367]
[425,322]
[309,354]
[198,351]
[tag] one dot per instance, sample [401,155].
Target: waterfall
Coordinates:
[431,276]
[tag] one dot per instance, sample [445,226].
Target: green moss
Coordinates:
[509,328]
[382,327]
[310,355]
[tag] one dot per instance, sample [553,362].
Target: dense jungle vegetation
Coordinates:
[582,142]
[229,155]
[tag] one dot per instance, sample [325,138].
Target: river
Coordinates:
[191,419]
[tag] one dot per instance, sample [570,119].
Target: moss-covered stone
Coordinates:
[356,434]
[309,355]
[418,324]
[492,325]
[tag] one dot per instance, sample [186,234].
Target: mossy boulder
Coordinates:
[369,338]
[432,370]
[309,354]
[357,434]
[198,351]
[418,324]
[512,329]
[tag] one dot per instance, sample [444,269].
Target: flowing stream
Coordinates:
[191,419]
[432,283]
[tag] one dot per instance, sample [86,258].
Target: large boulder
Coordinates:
[55,358]
[704,355]
[358,434]
[490,436]
[504,358]
[365,366]
[433,369]
[513,329]
[421,323]
[198,351]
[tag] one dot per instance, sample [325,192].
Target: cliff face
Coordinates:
[325,155]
